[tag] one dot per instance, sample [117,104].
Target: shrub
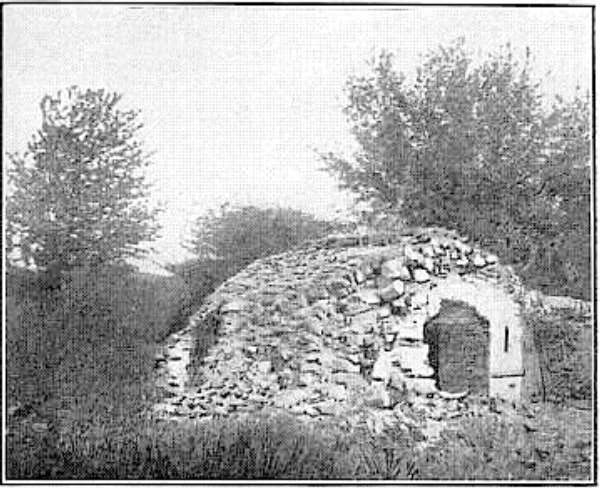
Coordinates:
[236,236]
[564,344]
[490,447]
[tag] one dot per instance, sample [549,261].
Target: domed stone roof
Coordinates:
[336,327]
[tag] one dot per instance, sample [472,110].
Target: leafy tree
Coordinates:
[228,239]
[470,146]
[565,252]
[78,194]
[237,236]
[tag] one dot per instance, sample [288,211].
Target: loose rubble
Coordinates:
[332,329]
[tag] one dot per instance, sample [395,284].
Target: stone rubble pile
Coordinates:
[333,329]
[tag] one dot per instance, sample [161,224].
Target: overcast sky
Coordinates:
[236,98]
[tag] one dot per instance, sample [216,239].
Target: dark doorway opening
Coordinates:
[458,340]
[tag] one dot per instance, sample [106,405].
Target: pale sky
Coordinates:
[235,98]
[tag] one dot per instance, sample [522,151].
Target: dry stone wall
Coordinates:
[336,329]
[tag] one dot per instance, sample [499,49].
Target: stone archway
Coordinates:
[502,313]
[458,340]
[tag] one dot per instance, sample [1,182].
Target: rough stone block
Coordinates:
[413,357]
[397,380]
[405,330]
[350,380]
[314,326]
[422,371]
[405,274]
[463,248]
[328,408]
[421,275]
[393,291]
[412,255]
[310,368]
[399,305]
[382,369]
[423,386]
[359,276]
[392,269]
[462,262]
[377,396]
[307,379]
[419,299]
[289,398]
[428,251]
[235,306]
[356,308]
[339,288]
[335,391]
[370,297]
[383,282]
[384,312]
[478,261]
[344,366]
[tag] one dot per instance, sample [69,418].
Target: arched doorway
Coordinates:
[459,348]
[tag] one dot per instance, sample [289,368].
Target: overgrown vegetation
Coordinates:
[87,347]
[283,448]
[564,342]
[470,146]
[236,236]
[81,356]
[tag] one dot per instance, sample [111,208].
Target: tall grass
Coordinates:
[89,345]
[283,448]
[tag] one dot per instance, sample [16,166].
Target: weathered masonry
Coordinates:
[477,337]
[339,325]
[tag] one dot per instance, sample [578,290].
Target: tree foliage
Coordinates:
[78,194]
[226,240]
[237,236]
[471,146]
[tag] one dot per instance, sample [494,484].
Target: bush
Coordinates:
[564,344]
[490,447]
[236,236]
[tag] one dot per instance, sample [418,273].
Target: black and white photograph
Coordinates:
[298,243]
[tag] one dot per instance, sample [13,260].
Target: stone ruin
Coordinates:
[340,328]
